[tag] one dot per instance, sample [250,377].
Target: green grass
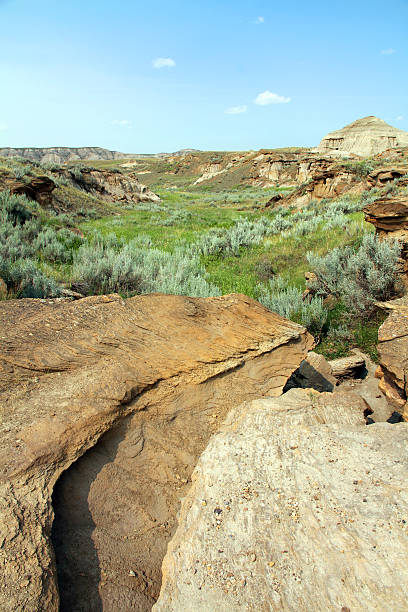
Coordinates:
[216,205]
[286,256]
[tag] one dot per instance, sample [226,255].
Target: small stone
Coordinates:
[203,503]
[253,557]
[132,573]
[271,563]
[24,584]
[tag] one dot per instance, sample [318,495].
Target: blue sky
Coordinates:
[228,75]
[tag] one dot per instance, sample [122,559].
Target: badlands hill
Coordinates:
[364,137]
[60,155]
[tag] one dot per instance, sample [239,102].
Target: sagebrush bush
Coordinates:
[175,217]
[130,269]
[358,276]
[288,302]
[17,208]
[24,279]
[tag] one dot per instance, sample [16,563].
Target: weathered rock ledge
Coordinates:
[143,384]
[393,354]
[295,504]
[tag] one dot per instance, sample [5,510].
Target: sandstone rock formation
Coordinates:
[393,354]
[351,366]
[111,186]
[380,176]
[390,218]
[295,504]
[141,385]
[314,372]
[364,137]
[38,188]
[325,180]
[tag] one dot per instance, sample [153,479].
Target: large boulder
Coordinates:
[120,397]
[295,504]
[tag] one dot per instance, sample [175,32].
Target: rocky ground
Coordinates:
[194,454]
[141,385]
[296,504]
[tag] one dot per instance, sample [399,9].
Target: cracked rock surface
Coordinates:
[295,504]
[128,393]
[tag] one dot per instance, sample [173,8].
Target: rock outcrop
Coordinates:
[37,188]
[381,176]
[352,366]
[393,354]
[121,398]
[110,185]
[365,137]
[295,504]
[325,180]
[390,218]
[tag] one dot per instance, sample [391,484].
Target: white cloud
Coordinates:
[387,51]
[122,122]
[259,20]
[267,97]
[400,118]
[236,110]
[164,62]
[3,126]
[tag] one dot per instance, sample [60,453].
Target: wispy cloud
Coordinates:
[164,62]
[3,126]
[122,123]
[236,110]
[387,51]
[400,118]
[267,97]
[259,20]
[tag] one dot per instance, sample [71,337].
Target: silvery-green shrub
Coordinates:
[358,276]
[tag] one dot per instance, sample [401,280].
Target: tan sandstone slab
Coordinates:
[296,504]
[141,384]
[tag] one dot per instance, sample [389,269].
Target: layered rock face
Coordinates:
[295,504]
[364,137]
[393,354]
[113,186]
[60,155]
[104,184]
[141,385]
[390,218]
[39,188]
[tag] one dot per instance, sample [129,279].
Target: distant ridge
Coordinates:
[364,137]
[60,155]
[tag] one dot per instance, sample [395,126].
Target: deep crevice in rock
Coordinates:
[73,530]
